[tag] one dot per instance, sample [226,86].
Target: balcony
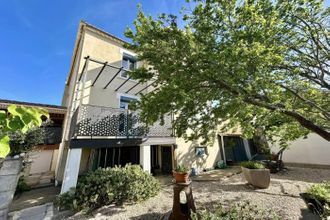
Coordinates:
[105,122]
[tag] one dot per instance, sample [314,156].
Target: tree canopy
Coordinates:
[260,65]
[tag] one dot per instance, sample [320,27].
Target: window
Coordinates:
[124,102]
[200,151]
[128,63]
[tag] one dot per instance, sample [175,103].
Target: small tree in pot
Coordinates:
[181,174]
[256,174]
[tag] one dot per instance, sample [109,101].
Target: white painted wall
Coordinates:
[71,170]
[145,157]
[313,150]
[41,161]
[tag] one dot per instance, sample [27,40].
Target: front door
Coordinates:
[167,159]
[234,149]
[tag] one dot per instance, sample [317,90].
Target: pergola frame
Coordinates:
[106,64]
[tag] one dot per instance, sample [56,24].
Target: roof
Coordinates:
[103,32]
[83,25]
[4,103]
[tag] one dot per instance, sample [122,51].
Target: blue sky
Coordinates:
[37,39]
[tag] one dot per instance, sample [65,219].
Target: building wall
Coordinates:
[186,155]
[105,50]
[313,150]
[42,161]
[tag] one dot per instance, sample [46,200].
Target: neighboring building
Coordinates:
[44,155]
[313,151]
[101,131]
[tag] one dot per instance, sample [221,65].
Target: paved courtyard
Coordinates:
[282,196]
[34,197]
[209,189]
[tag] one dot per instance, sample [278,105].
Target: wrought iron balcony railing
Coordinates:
[97,121]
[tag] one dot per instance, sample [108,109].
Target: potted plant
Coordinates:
[317,199]
[181,174]
[256,174]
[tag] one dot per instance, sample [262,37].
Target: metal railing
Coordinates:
[98,121]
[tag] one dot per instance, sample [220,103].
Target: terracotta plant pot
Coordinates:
[259,178]
[181,177]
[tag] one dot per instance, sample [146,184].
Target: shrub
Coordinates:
[111,185]
[181,169]
[320,191]
[22,186]
[252,165]
[238,211]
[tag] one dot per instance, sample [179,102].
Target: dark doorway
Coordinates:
[166,159]
[112,156]
[154,159]
[234,149]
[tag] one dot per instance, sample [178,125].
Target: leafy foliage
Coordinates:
[24,142]
[22,186]
[258,64]
[181,169]
[238,211]
[18,119]
[110,185]
[252,165]
[321,191]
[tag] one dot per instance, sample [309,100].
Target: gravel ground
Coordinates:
[282,196]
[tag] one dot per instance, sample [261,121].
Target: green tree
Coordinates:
[18,119]
[254,64]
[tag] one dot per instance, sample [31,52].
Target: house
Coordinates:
[100,130]
[44,156]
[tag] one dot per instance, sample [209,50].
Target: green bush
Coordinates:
[111,185]
[181,169]
[236,211]
[320,191]
[252,165]
[22,186]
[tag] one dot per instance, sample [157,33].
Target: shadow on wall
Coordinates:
[190,159]
[107,96]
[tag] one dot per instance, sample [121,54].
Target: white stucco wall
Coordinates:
[313,150]
[186,155]
[105,50]
[42,161]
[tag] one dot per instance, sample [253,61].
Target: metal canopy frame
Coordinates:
[106,64]
[145,88]
[120,69]
[83,69]
[133,87]
[123,83]
[98,75]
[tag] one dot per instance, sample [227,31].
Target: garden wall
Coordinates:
[313,150]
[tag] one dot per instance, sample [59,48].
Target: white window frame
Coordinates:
[120,95]
[127,54]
